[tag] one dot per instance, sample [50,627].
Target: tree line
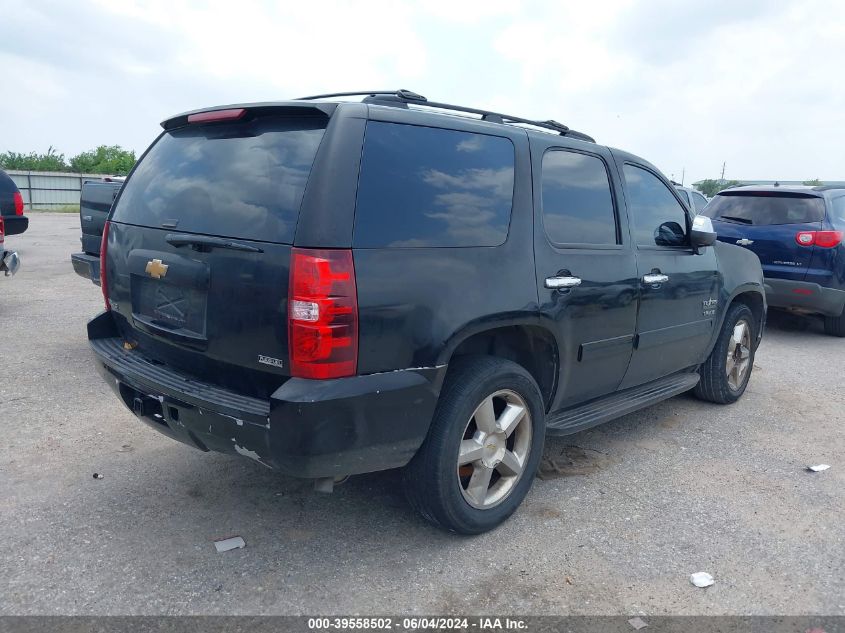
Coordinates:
[105,159]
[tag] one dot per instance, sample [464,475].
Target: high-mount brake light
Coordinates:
[18,203]
[822,239]
[104,285]
[322,314]
[231,114]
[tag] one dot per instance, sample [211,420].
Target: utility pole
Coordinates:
[723,172]
[683,174]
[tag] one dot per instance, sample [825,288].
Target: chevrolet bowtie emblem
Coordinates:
[156,269]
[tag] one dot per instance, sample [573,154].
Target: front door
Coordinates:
[678,287]
[586,270]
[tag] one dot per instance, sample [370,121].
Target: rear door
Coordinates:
[199,246]
[94,204]
[586,270]
[767,223]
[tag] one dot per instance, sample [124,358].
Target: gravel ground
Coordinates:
[646,500]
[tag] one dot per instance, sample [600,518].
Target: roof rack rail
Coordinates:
[401,98]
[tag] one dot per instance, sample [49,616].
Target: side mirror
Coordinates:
[702,233]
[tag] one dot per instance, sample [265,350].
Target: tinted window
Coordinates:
[237,180]
[838,212]
[766,208]
[423,186]
[658,218]
[577,203]
[700,201]
[683,195]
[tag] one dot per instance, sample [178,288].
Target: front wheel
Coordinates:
[483,448]
[725,374]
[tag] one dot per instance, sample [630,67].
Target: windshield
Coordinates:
[766,208]
[241,180]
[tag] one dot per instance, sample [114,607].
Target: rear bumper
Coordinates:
[87,266]
[811,297]
[308,428]
[15,224]
[9,262]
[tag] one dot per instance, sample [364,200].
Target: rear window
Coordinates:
[838,212]
[765,208]
[422,186]
[242,180]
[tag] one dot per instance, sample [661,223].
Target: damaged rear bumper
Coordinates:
[307,428]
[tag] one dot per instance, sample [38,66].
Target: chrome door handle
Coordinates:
[558,283]
[655,278]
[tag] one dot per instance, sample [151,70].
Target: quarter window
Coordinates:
[658,218]
[577,202]
[422,186]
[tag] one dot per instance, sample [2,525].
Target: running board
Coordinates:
[618,404]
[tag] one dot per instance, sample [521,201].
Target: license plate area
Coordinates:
[173,303]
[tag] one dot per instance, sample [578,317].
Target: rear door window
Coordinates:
[577,203]
[756,208]
[243,179]
[422,186]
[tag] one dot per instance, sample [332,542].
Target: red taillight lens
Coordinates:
[2,231]
[233,114]
[18,203]
[822,239]
[322,314]
[104,286]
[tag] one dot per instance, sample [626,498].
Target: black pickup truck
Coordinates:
[95,203]
[331,287]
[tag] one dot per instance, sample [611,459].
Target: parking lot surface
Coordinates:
[626,514]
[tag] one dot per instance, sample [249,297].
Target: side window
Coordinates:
[658,218]
[423,186]
[684,196]
[838,212]
[577,203]
[700,201]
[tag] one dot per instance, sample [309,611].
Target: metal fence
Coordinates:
[50,189]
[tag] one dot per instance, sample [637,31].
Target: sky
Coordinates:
[689,85]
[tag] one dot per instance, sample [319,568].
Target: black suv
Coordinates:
[334,287]
[12,206]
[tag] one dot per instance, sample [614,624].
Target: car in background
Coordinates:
[11,206]
[9,260]
[95,202]
[797,232]
[694,200]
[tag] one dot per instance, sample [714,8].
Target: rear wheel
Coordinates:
[725,374]
[483,448]
[835,326]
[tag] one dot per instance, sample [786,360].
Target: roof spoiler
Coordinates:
[292,108]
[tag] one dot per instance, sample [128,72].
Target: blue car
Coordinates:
[797,232]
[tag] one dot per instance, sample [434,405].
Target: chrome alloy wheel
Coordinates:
[494,449]
[739,355]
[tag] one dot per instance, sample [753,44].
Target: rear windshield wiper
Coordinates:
[731,218]
[205,243]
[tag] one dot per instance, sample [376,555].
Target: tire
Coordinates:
[835,326]
[456,497]
[715,384]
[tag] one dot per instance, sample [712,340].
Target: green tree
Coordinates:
[711,187]
[50,161]
[815,182]
[106,159]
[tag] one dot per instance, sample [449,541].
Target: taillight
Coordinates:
[104,286]
[232,114]
[2,231]
[822,239]
[322,314]
[18,203]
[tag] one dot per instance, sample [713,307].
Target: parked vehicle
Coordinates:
[332,288]
[694,200]
[797,234]
[9,260]
[11,206]
[95,201]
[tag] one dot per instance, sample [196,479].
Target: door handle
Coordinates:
[562,283]
[655,278]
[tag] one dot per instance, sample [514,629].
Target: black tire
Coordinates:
[835,326]
[714,385]
[431,478]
